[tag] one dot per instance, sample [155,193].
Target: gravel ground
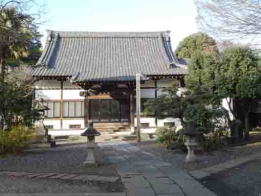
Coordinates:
[66,159]
[22,185]
[244,180]
[177,157]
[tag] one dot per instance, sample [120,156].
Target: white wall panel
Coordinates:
[55,123]
[150,120]
[67,123]
[48,94]
[72,94]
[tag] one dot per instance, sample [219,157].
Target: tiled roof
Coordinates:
[107,56]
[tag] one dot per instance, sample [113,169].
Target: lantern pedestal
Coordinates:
[191,145]
[90,160]
[190,130]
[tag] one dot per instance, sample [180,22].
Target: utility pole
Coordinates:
[138,105]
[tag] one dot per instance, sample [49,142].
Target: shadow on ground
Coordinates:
[244,180]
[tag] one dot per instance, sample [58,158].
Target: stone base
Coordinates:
[191,145]
[90,164]
[90,160]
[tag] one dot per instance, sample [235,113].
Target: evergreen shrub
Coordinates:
[16,139]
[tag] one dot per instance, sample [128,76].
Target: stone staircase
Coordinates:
[112,127]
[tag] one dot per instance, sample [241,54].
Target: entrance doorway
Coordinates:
[109,110]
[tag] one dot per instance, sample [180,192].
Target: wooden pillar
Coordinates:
[138,105]
[156,95]
[86,109]
[132,111]
[61,106]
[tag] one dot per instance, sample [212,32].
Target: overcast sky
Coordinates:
[178,16]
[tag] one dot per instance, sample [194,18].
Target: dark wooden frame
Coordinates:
[110,106]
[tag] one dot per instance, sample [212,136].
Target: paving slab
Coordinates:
[140,192]
[153,175]
[187,183]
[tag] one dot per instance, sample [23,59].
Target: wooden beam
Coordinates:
[61,105]
[138,76]
[86,110]
[132,112]
[156,96]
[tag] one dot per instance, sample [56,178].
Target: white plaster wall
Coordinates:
[48,94]
[68,122]
[72,94]
[70,132]
[152,126]
[150,120]
[147,93]
[56,123]
[56,94]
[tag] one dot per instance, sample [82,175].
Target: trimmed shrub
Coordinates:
[166,135]
[16,139]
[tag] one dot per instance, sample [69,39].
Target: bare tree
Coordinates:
[230,18]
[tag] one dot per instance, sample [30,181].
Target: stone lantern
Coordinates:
[191,143]
[90,132]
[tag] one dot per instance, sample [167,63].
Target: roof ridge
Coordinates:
[127,34]
[107,56]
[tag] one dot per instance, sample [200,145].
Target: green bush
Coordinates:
[166,135]
[16,139]
[214,140]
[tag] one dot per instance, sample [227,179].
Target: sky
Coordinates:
[178,16]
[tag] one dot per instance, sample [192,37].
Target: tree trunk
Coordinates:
[247,128]
[2,82]
[2,69]
[240,117]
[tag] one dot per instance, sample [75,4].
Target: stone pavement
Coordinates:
[145,174]
[202,173]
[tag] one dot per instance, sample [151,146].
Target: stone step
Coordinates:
[63,176]
[111,126]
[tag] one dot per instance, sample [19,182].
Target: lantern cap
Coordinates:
[90,131]
[191,129]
